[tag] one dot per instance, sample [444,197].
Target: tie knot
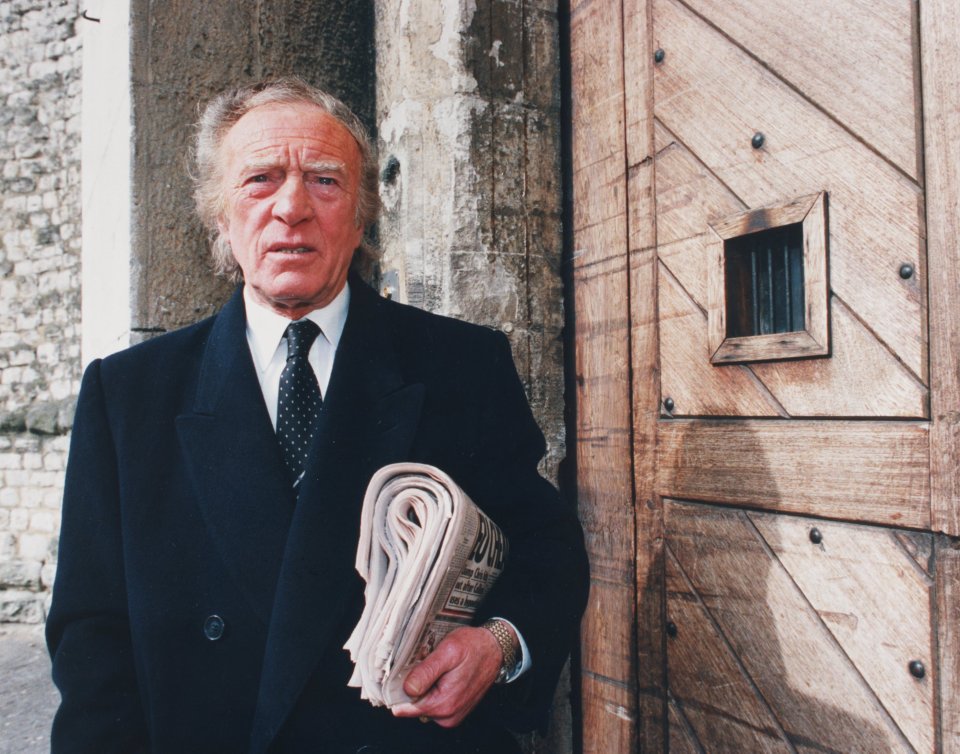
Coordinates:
[300,336]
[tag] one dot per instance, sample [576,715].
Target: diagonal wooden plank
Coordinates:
[861,377]
[684,260]
[714,98]
[694,385]
[853,58]
[919,547]
[709,684]
[681,737]
[874,600]
[817,694]
[689,196]
[688,199]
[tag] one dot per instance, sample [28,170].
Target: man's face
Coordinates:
[291,174]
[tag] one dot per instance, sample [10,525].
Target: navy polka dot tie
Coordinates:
[299,403]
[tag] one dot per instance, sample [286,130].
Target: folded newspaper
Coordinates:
[428,555]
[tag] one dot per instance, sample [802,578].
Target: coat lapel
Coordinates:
[235,462]
[369,419]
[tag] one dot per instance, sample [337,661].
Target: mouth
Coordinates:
[290,250]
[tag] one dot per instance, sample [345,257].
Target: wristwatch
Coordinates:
[507,645]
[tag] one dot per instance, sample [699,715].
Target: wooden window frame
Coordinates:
[814,340]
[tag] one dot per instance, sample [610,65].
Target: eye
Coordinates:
[325,180]
[261,178]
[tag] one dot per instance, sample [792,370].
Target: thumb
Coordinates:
[422,677]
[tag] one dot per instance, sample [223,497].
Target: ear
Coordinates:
[222,227]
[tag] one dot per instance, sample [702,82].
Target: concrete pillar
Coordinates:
[151,64]
[105,167]
[468,115]
[468,119]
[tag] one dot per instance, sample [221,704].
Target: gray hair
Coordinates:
[222,113]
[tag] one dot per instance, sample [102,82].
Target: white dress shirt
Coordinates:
[268,347]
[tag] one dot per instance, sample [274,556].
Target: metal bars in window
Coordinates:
[764,282]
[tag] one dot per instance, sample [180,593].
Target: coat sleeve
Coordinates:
[543,589]
[88,631]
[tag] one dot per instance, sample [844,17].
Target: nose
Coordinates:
[292,203]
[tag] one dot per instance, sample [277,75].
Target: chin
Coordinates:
[291,298]
[295,287]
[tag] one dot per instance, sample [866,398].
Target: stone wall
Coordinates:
[40,65]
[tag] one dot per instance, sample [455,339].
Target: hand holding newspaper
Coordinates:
[428,555]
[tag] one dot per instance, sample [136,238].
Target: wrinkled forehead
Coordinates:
[283,132]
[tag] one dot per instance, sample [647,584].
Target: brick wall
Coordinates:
[40,68]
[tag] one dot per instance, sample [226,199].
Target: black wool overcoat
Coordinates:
[200,606]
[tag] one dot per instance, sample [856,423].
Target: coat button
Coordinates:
[367,749]
[213,627]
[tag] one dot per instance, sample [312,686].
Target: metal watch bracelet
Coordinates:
[507,645]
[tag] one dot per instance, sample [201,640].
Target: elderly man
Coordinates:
[205,585]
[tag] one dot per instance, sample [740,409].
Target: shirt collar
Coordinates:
[265,328]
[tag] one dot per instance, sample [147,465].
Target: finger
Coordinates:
[412,710]
[423,676]
[406,710]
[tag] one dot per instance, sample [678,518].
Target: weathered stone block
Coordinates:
[43,521]
[21,607]
[9,498]
[26,443]
[34,547]
[65,412]
[8,545]
[42,418]
[53,461]
[15,478]
[22,185]
[13,421]
[19,574]
[19,520]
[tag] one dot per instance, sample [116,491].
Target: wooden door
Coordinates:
[772,515]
